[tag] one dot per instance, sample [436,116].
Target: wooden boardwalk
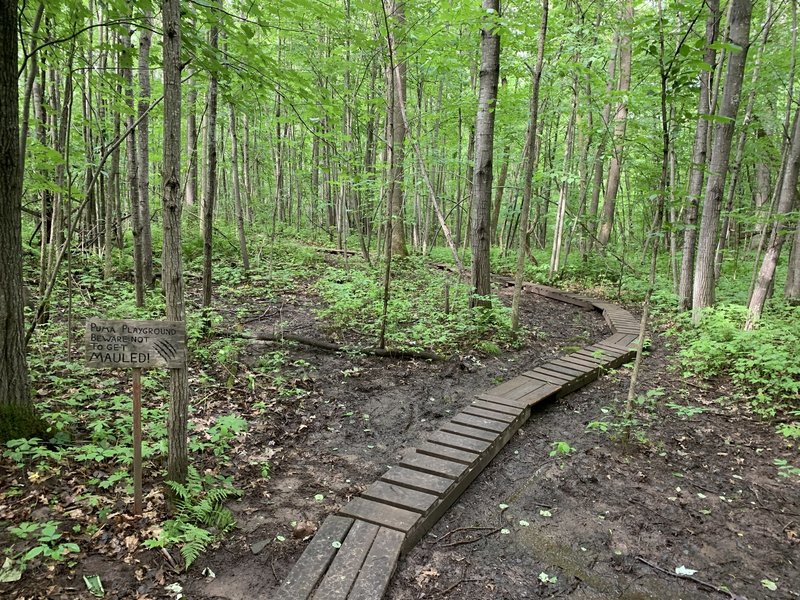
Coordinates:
[354,553]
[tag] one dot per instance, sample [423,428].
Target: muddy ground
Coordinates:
[598,520]
[699,490]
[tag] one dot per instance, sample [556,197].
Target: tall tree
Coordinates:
[530,161]
[17,416]
[620,125]
[172,261]
[786,199]
[739,38]
[210,179]
[698,166]
[145,39]
[481,214]
[397,129]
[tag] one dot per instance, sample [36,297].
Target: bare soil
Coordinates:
[605,520]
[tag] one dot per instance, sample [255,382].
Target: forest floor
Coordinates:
[560,512]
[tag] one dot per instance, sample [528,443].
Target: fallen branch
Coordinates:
[384,352]
[700,582]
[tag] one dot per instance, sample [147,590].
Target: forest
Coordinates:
[348,204]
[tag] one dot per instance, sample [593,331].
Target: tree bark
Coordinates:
[237,194]
[398,133]
[704,284]
[172,262]
[144,154]
[17,417]
[786,199]
[621,122]
[699,158]
[481,213]
[210,181]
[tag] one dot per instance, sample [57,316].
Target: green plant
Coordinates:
[561,448]
[200,515]
[46,540]
[686,411]
[785,469]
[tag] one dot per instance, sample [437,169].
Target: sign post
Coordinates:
[137,345]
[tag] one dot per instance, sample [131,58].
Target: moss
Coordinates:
[20,422]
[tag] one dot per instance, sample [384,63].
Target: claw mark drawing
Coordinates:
[165,349]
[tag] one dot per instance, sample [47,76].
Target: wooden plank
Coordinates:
[479,423]
[581,361]
[447,453]
[549,370]
[588,356]
[378,566]
[540,394]
[470,432]
[523,390]
[429,519]
[380,514]
[547,377]
[400,496]
[415,480]
[432,465]
[556,294]
[511,403]
[559,364]
[313,563]
[614,351]
[493,406]
[508,386]
[345,567]
[459,442]
[489,413]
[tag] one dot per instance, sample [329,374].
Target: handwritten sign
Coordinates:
[135,344]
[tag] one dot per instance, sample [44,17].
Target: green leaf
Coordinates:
[10,571]
[770,585]
[94,585]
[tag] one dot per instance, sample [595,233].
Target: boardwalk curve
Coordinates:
[354,553]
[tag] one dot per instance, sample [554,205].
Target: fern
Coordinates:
[200,515]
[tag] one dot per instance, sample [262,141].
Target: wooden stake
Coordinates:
[137,442]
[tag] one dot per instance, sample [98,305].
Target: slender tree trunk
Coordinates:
[172,263]
[621,121]
[704,284]
[398,132]
[210,180]
[237,195]
[144,154]
[481,213]
[563,191]
[190,195]
[499,192]
[699,161]
[786,199]
[132,170]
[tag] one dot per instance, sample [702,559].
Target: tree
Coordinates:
[17,415]
[484,147]
[172,262]
[739,37]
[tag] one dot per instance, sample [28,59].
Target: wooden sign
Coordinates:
[135,344]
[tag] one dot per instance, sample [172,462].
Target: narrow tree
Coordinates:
[766,275]
[143,131]
[210,179]
[530,161]
[481,215]
[704,284]
[698,168]
[397,129]
[172,262]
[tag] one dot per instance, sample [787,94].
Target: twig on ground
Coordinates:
[700,582]
[460,529]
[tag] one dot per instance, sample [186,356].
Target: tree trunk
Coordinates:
[481,213]
[237,194]
[172,263]
[144,154]
[210,182]
[704,284]
[699,159]
[398,133]
[132,169]
[621,121]
[190,195]
[786,198]
[17,416]
[530,161]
